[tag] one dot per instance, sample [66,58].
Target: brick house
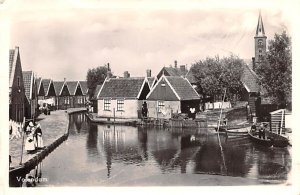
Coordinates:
[16,86]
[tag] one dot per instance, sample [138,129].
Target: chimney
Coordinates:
[182,68]
[108,74]
[126,74]
[148,71]
[175,63]
[64,79]
[108,68]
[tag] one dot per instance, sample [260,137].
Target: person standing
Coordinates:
[38,136]
[30,143]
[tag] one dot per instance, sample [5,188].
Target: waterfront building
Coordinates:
[84,89]
[31,99]
[16,86]
[77,98]
[62,95]
[122,97]
[172,94]
[94,99]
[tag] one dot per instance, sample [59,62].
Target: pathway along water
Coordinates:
[103,155]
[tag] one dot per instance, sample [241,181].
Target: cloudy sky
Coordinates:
[63,39]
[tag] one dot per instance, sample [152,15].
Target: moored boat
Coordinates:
[272,139]
[278,140]
[238,132]
[255,138]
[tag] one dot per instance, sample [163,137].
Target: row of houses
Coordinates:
[171,91]
[27,92]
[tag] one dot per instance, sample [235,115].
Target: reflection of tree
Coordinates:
[92,141]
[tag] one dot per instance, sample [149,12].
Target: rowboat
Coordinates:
[272,139]
[278,140]
[255,138]
[235,130]
[238,132]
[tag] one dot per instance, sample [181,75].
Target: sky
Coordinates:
[63,39]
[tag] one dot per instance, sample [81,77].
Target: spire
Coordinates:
[260,31]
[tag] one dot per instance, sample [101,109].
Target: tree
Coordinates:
[275,71]
[213,75]
[94,77]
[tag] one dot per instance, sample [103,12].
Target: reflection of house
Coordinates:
[122,97]
[30,94]
[172,94]
[16,86]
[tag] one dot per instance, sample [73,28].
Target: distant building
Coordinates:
[172,94]
[260,43]
[31,99]
[77,97]
[40,89]
[173,71]
[16,86]
[122,97]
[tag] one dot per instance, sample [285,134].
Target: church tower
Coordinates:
[260,41]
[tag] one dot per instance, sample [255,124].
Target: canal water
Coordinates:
[105,155]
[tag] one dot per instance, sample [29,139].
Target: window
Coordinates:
[161,105]
[67,101]
[79,100]
[120,105]
[107,105]
[260,51]
[260,42]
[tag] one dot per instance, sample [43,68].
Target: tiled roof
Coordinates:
[122,87]
[96,91]
[46,84]
[172,71]
[250,80]
[72,86]
[84,87]
[38,83]
[183,88]
[151,80]
[58,87]
[11,60]
[28,79]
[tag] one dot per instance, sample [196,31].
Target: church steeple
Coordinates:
[260,41]
[260,31]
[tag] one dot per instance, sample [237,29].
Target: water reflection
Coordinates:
[106,151]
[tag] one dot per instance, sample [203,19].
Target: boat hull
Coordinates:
[257,140]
